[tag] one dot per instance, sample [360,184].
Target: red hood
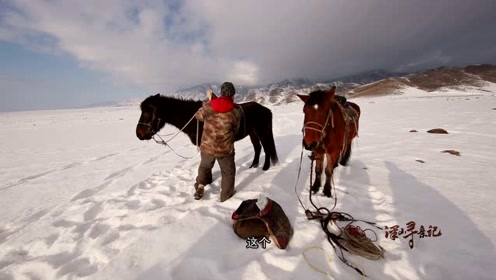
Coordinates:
[222,104]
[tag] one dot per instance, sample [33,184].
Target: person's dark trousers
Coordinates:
[227,169]
[205,169]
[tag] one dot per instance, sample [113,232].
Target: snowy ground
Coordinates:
[82,197]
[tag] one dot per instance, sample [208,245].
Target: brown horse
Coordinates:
[329,127]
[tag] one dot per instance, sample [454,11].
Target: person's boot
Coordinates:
[224,197]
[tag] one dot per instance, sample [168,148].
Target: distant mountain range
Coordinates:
[370,83]
[285,91]
[438,79]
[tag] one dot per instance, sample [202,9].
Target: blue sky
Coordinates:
[32,80]
[68,53]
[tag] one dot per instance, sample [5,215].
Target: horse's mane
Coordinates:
[317,97]
[158,99]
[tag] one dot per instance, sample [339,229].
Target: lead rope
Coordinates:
[314,267]
[165,143]
[325,216]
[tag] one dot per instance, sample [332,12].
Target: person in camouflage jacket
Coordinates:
[220,124]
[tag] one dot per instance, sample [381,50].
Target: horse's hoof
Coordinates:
[199,189]
[327,193]
[254,165]
[315,189]
[265,168]
[199,192]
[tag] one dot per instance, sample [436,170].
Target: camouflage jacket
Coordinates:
[219,130]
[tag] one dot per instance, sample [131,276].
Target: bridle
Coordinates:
[154,130]
[149,124]
[322,127]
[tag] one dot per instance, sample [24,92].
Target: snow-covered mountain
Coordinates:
[376,82]
[285,91]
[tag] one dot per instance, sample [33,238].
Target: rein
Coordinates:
[326,216]
[165,143]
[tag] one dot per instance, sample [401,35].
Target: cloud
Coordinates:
[166,45]
[245,73]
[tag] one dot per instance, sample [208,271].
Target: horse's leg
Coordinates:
[267,152]
[319,164]
[257,147]
[332,161]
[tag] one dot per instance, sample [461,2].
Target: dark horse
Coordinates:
[256,121]
[329,127]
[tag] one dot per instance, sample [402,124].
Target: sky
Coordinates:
[64,53]
[87,200]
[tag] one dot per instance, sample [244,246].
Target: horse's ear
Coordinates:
[303,97]
[331,92]
[157,95]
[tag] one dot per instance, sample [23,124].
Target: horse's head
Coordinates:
[318,115]
[149,122]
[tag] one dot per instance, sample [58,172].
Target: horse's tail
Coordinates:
[346,156]
[354,133]
[271,145]
[357,109]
